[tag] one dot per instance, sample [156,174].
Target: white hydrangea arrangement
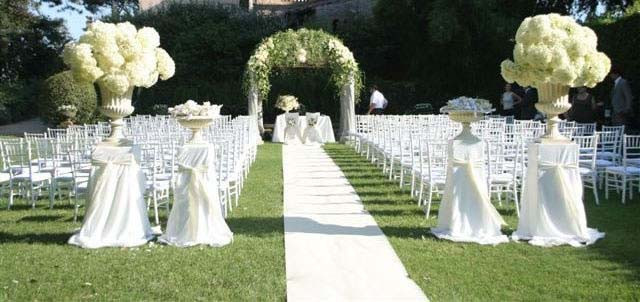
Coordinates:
[119,57]
[464,103]
[287,103]
[67,108]
[555,49]
[191,109]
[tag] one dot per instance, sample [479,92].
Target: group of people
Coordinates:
[520,103]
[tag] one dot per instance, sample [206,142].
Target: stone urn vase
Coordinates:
[466,117]
[195,124]
[69,116]
[116,107]
[553,99]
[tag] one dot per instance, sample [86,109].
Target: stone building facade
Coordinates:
[319,8]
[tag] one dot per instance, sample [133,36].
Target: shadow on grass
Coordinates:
[41,238]
[42,218]
[256,226]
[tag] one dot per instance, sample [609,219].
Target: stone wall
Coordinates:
[147,4]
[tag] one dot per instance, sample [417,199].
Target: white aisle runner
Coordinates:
[334,249]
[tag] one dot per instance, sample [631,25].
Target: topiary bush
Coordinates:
[62,89]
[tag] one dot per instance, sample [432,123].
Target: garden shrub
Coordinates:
[17,100]
[62,89]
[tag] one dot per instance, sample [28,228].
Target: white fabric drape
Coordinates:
[324,126]
[466,213]
[311,134]
[116,214]
[552,210]
[196,216]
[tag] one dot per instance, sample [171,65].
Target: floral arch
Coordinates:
[304,48]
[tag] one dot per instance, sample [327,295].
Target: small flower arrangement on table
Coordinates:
[287,103]
[64,109]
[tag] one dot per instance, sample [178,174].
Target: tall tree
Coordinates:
[118,8]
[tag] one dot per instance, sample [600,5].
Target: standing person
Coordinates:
[509,100]
[528,109]
[378,103]
[583,107]
[621,98]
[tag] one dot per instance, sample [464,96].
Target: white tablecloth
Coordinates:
[324,126]
[116,214]
[196,216]
[466,213]
[552,210]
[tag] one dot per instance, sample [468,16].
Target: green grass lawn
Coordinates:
[607,270]
[37,264]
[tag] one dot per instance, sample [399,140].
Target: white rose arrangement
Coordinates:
[555,49]
[191,109]
[67,108]
[119,57]
[464,103]
[287,103]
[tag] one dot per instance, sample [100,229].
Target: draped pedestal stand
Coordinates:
[116,214]
[466,213]
[197,214]
[552,211]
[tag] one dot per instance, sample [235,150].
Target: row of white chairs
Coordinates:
[59,160]
[413,150]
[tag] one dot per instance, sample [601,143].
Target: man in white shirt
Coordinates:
[378,103]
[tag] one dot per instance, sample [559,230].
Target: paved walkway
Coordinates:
[334,249]
[34,125]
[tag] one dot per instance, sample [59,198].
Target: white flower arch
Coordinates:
[304,48]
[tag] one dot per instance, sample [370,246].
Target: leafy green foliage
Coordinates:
[17,100]
[210,45]
[282,50]
[62,89]
[619,39]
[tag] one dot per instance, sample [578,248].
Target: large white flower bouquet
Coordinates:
[287,103]
[119,57]
[554,53]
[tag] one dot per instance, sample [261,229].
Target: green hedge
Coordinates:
[62,89]
[210,45]
[620,40]
[17,100]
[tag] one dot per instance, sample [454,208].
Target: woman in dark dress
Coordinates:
[583,107]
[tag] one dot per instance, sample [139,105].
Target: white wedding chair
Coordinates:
[311,133]
[619,177]
[505,163]
[157,188]
[292,128]
[587,162]
[28,178]
[607,146]
[80,171]
[432,171]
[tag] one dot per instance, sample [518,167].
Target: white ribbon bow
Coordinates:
[194,187]
[558,176]
[469,166]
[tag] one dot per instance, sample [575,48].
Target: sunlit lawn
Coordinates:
[607,270]
[37,264]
